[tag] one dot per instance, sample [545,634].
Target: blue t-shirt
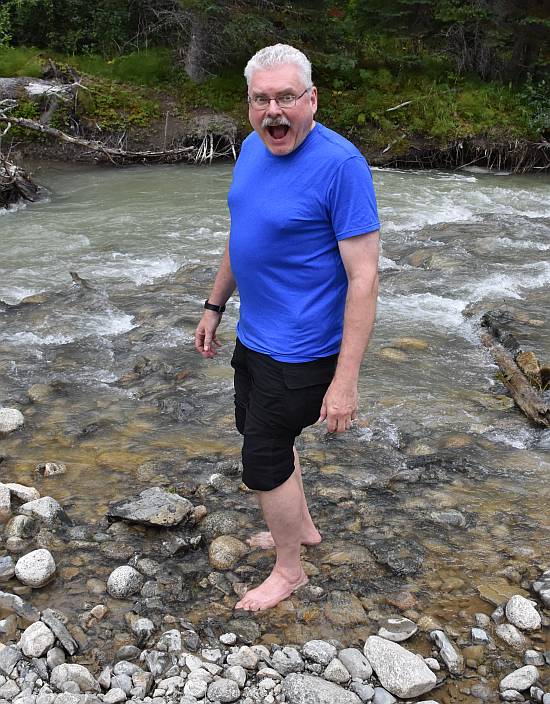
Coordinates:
[287,215]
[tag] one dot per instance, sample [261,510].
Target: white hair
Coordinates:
[278,55]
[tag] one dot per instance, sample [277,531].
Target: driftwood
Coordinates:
[507,353]
[15,184]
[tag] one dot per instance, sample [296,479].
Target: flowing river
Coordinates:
[436,503]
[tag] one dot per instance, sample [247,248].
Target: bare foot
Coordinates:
[276,588]
[265,540]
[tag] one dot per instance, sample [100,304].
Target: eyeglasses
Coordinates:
[288,100]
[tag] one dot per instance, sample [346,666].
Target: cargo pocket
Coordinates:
[307,384]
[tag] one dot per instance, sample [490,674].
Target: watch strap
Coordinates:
[215,308]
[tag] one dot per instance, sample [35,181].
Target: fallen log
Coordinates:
[15,184]
[504,349]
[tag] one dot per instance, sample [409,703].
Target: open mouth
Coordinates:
[278,131]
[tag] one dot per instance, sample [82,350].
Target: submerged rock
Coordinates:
[153,507]
[397,629]
[450,654]
[400,672]
[225,552]
[10,419]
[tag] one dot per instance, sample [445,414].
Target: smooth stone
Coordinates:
[46,510]
[10,419]
[287,660]
[54,657]
[225,551]
[448,652]
[364,691]
[153,507]
[298,689]
[124,581]
[511,636]
[223,690]
[237,673]
[520,679]
[220,523]
[401,672]
[382,696]
[355,663]
[75,673]
[433,664]
[36,640]
[521,613]
[336,672]
[245,657]
[114,696]
[7,568]
[397,629]
[511,695]
[533,657]
[319,651]
[36,568]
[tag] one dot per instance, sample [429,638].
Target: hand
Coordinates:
[206,341]
[339,407]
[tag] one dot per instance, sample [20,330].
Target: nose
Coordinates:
[273,108]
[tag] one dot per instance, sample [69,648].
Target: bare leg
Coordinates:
[309,533]
[282,509]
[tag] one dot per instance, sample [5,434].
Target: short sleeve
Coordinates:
[351,200]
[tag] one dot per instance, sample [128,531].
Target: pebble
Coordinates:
[355,663]
[448,652]
[124,581]
[36,568]
[237,673]
[533,657]
[36,640]
[50,469]
[228,639]
[479,636]
[365,692]
[433,664]
[510,635]
[382,696]
[223,690]
[287,660]
[319,651]
[46,510]
[522,613]
[397,629]
[520,679]
[245,657]
[336,672]
[10,419]
[7,568]
[401,672]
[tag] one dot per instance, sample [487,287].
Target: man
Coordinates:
[303,250]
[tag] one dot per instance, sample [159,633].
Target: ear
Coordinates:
[313,99]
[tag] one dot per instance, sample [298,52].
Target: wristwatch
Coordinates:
[215,308]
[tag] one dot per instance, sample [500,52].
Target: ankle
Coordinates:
[290,574]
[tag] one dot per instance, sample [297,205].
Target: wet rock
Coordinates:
[319,651]
[400,672]
[74,673]
[397,629]
[46,510]
[9,657]
[411,343]
[10,419]
[542,588]
[448,652]
[124,581]
[225,552]
[23,493]
[521,613]
[153,507]
[7,568]
[299,688]
[392,354]
[520,679]
[220,523]
[23,527]
[496,591]
[479,636]
[223,690]
[336,672]
[246,629]
[36,640]
[345,609]
[403,557]
[355,663]
[50,469]
[12,602]
[36,568]
[53,621]
[287,660]
[510,635]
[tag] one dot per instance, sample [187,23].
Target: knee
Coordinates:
[267,462]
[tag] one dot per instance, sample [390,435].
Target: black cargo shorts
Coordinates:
[274,402]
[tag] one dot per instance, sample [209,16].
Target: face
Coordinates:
[281,129]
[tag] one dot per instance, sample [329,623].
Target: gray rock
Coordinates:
[5,502]
[10,419]
[381,696]
[127,652]
[144,680]
[521,613]
[448,652]
[153,507]
[287,660]
[22,527]
[50,469]
[520,679]
[196,688]
[22,493]
[482,620]
[170,641]
[511,695]
[70,687]
[355,663]
[46,510]
[9,690]
[400,672]
[479,636]
[319,651]
[36,568]
[536,694]
[225,551]
[223,690]
[124,581]
[397,629]
[365,692]
[36,640]
[200,674]
[510,635]
[498,615]
[9,657]
[245,657]
[76,673]
[7,568]
[336,672]
[114,696]
[55,657]
[143,628]
[228,639]
[68,698]
[542,588]
[237,673]
[433,664]
[302,689]
[533,657]
[52,620]
[213,655]
[123,682]
[546,698]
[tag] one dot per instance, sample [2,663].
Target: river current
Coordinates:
[441,493]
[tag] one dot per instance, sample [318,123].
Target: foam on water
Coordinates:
[504,284]
[425,307]
[15,294]
[521,244]
[130,268]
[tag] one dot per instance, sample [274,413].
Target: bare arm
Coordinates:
[224,285]
[360,257]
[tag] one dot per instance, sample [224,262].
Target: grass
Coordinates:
[20,61]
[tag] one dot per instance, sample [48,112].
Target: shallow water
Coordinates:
[128,404]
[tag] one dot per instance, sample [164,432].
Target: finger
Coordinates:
[216,342]
[207,341]
[323,412]
[199,338]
